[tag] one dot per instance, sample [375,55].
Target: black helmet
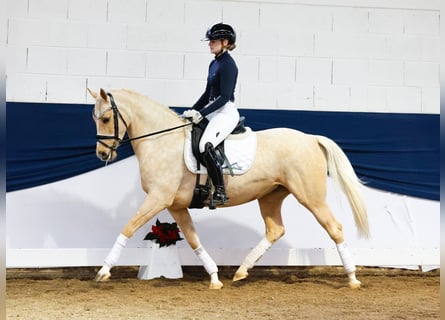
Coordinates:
[221,31]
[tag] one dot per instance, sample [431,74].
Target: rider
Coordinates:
[217,103]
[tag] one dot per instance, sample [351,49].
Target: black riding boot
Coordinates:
[214,170]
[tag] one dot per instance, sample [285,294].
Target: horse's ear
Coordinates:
[92,93]
[103,94]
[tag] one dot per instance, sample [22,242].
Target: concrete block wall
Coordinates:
[339,55]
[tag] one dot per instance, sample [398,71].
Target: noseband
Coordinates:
[115,137]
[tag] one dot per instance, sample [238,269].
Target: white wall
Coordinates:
[74,222]
[340,55]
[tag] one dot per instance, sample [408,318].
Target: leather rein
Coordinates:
[117,141]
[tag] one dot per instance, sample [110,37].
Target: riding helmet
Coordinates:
[221,31]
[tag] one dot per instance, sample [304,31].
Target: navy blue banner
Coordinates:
[50,142]
[392,152]
[389,151]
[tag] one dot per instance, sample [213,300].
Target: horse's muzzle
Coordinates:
[106,156]
[106,152]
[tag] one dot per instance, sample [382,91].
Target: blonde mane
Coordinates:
[137,98]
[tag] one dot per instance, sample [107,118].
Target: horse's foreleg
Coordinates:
[104,273]
[184,221]
[147,211]
[270,206]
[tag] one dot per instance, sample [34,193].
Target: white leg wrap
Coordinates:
[256,253]
[116,251]
[346,258]
[214,277]
[206,260]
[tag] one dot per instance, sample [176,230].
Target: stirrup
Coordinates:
[216,199]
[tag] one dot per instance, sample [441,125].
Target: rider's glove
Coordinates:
[187,114]
[193,114]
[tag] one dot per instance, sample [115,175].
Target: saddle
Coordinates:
[201,192]
[198,130]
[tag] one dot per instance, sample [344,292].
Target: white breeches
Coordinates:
[221,124]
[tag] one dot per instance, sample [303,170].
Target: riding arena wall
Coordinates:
[314,55]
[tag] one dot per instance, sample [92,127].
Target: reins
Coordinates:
[122,141]
[115,137]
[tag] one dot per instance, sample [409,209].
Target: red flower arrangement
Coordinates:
[164,233]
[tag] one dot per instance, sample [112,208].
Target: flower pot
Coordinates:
[164,262]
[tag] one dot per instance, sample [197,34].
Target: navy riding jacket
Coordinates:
[220,87]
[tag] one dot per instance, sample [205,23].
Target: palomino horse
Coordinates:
[286,162]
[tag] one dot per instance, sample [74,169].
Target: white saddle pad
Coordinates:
[239,149]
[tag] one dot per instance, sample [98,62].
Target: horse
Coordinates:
[286,162]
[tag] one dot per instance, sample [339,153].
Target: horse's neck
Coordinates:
[146,117]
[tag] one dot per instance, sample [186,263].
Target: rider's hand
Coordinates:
[187,114]
[193,114]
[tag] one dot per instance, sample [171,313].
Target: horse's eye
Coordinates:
[105,120]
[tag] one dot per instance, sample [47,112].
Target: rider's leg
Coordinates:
[221,124]
[214,170]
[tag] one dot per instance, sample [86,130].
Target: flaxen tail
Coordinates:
[340,170]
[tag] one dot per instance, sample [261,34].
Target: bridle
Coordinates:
[115,137]
[117,141]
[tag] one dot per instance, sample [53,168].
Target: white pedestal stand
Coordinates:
[163,262]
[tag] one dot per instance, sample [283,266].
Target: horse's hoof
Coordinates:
[216,285]
[102,277]
[355,284]
[240,276]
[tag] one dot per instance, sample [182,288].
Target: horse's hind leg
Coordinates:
[335,230]
[270,206]
[309,187]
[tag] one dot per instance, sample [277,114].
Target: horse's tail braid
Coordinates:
[340,170]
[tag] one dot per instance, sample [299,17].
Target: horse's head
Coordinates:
[110,125]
